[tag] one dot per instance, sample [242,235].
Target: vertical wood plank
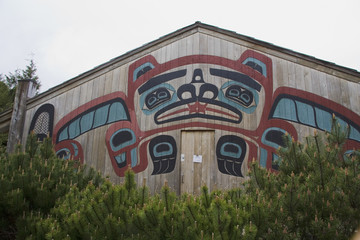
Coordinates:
[108,82]
[345,98]
[307,80]
[354,90]
[197,166]
[333,86]
[323,85]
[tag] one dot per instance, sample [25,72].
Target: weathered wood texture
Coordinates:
[197,160]
[201,92]
[16,128]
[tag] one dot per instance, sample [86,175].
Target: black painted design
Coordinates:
[255,66]
[157,97]
[309,113]
[275,136]
[198,114]
[122,162]
[163,152]
[236,76]
[198,76]
[42,122]
[230,153]
[105,113]
[121,138]
[199,99]
[161,79]
[207,95]
[143,71]
[240,95]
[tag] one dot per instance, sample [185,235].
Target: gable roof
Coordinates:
[258,45]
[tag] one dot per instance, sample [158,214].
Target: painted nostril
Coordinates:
[186,91]
[208,91]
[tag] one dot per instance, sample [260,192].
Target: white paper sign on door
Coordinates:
[197,158]
[182,157]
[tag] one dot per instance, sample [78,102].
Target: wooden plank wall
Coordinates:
[285,73]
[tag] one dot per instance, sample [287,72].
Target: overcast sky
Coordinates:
[68,37]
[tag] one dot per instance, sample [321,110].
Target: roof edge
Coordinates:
[196,26]
[287,51]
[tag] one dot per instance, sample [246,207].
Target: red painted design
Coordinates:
[76,153]
[199,109]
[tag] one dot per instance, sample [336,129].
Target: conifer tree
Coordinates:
[124,212]
[315,194]
[31,182]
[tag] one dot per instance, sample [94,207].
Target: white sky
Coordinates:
[68,37]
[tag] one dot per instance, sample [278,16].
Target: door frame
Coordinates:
[194,172]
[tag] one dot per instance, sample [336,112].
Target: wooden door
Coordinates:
[197,160]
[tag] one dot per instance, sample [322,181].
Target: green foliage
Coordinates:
[123,212]
[315,194]
[8,84]
[6,96]
[29,73]
[3,142]
[32,182]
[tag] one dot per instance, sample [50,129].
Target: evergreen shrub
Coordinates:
[315,194]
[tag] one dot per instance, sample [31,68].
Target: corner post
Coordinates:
[25,90]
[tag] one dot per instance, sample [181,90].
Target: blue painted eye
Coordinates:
[234,92]
[157,97]
[246,97]
[151,101]
[163,94]
[122,138]
[239,95]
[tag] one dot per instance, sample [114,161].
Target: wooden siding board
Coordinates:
[333,87]
[344,90]
[307,80]
[196,29]
[354,90]
[323,85]
[287,72]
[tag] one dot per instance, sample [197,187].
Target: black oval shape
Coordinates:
[121,137]
[275,136]
[231,148]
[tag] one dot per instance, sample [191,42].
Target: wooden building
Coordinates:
[193,107]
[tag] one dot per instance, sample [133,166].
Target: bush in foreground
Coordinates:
[314,195]
[32,182]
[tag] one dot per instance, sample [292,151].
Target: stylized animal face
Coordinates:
[199,91]
[193,91]
[202,89]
